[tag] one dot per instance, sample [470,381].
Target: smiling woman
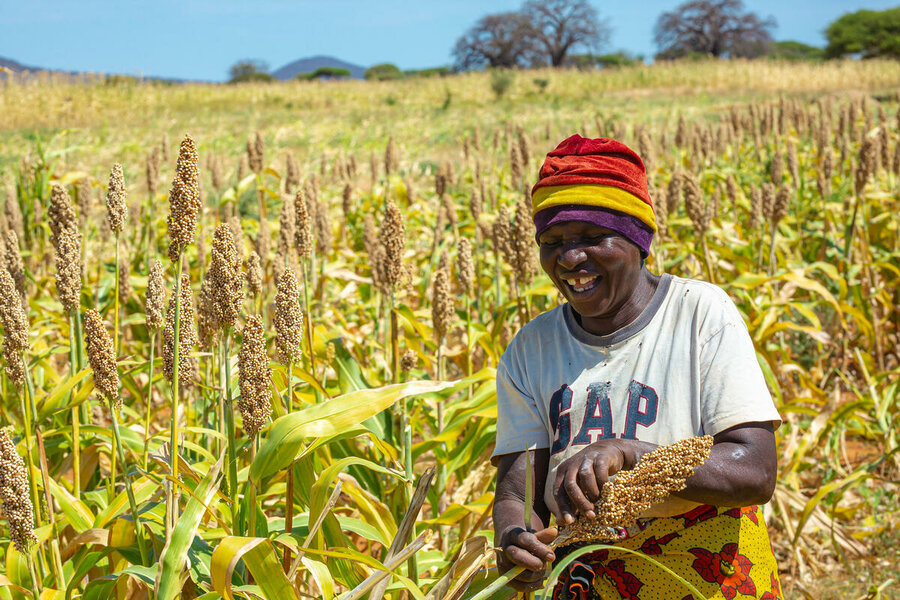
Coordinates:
[632,361]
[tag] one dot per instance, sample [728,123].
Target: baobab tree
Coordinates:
[719,28]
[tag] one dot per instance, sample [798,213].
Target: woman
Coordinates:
[631,361]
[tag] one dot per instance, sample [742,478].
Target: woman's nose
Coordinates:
[572,256]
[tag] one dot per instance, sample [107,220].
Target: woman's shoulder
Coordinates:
[543,327]
[706,300]
[698,293]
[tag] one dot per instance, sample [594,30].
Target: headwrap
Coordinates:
[600,181]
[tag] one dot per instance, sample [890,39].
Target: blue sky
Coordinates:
[201,39]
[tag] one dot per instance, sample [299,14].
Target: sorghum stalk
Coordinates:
[171,495]
[17,505]
[149,396]
[779,210]
[289,490]
[288,338]
[392,241]
[76,418]
[67,244]
[395,342]
[864,170]
[15,345]
[305,270]
[35,585]
[102,357]
[254,403]
[29,454]
[466,271]
[303,240]
[116,213]
[225,382]
[56,560]
[442,312]
[129,491]
[227,285]
[184,207]
[116,301]
[154,302]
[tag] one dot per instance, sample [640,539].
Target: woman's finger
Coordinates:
[576,495]
[545,536]
[564,512]
[601,470]
[587,480]
[524,558]
[534,545]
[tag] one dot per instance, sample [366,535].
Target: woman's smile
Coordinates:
[581,284]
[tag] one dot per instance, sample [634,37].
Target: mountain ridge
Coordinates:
[311,63]
[284,73]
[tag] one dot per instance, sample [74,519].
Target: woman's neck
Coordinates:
[628,311]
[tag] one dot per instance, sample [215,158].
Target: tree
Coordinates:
[383,72]
[249,70]
[622,58]
[719,28]
[558,26]
[498,40]
[791,50]
[323,73]
[869,33]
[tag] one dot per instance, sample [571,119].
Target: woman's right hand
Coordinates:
[526,549]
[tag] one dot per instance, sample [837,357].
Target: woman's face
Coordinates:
[596,269]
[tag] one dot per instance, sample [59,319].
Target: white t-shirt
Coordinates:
[685,367]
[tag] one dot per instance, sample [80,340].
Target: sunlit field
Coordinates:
[363,254]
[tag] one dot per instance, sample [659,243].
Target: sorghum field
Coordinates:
[301,292]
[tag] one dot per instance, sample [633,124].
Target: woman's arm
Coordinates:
[518,544]
[740,471]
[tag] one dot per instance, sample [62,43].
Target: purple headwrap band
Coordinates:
[632,228]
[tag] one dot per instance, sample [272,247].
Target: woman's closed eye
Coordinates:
[580,241]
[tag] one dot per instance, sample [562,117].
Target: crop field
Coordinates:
[302,291]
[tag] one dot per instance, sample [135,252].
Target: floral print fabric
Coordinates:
[724,553]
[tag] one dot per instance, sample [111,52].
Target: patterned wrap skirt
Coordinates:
[724,553]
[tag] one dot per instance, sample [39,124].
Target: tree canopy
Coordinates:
[383,71]
[498,40]
[869,33]
[543,32]
[792,50]
[324,73]
[719,28]
[558,26]
[249,70]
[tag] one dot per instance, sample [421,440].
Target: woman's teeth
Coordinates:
[582,284]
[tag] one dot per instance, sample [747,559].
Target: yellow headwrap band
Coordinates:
[600,196]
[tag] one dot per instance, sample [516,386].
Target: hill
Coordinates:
[12,65]
[310,64]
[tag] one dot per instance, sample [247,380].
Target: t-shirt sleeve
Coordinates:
[733,389]
[519,423]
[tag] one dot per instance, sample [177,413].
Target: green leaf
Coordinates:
[262,562]
[79,515]
[322,576]
[168,581]
[329,418]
